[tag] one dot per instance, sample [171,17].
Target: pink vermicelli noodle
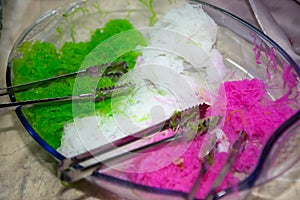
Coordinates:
[247,107]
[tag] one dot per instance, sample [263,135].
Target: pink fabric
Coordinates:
[285,12]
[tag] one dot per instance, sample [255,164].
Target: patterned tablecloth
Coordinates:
[27,171]
[0,17]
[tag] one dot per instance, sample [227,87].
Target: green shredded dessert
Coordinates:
[42,60]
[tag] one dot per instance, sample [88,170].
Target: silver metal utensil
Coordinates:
[98,95]
[182,122]
[237,147]
[206,152]
[111,70]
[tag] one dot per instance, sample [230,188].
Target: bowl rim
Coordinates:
[246,184]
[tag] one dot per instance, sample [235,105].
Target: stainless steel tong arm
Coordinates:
[70,169]
[185,124]
[98,95]
[104,70]
[111,70]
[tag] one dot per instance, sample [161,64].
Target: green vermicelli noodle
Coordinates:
[42,60]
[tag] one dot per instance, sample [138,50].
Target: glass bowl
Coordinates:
[246,53]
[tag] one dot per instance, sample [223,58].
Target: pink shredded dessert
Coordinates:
[243,106]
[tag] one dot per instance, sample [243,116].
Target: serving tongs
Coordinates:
[70,169]
[186,124]
[237,148]
[111,70]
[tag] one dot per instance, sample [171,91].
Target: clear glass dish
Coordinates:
[247,53]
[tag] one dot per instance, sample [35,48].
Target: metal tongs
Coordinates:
[186,124]
[182,122]
[112,70]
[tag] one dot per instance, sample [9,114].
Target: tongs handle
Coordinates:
[111,70]
[237,147]
[70,169]
[27,86]
[70,175]
[105,70]
[174,120]
[99,95]
[30,103]
[64,165]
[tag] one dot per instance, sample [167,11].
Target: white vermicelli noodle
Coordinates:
[165,83]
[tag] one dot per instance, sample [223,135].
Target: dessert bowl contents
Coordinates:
[185,58]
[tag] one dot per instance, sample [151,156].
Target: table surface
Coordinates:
[28,172]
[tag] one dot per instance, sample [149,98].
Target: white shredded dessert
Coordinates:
[180,45]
